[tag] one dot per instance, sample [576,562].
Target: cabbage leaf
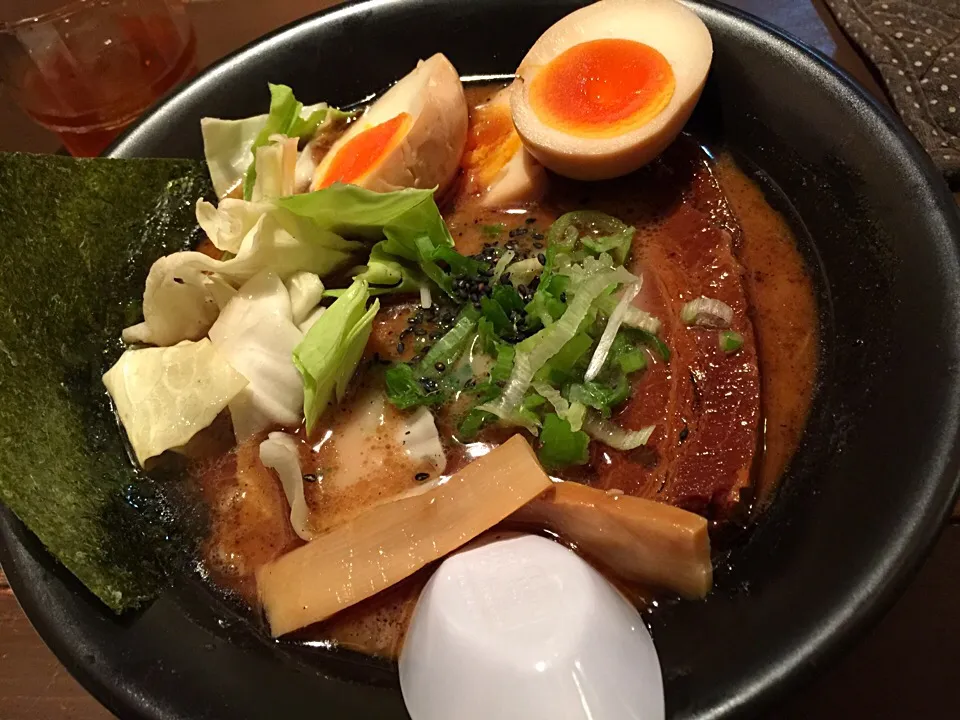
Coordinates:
[276,164]
[255,333]
[406,222]
[287,116]
[279,452]
[306,291]
[185,291]
[164,396]
[332,348]
[229,145]
[229,222]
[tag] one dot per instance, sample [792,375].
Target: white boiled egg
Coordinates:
[608,87]
[497,166]
[413,136]
[523,629]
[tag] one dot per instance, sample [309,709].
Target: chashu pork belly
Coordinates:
[705,403]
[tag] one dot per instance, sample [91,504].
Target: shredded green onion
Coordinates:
[707,312]
[610,331]
[536,350]
[573,413]
[615,436]
[501,266]
[523,271]
[634,317]
[426,297]
[449,347]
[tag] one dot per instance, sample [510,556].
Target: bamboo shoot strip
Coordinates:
[640,540]
[391,541]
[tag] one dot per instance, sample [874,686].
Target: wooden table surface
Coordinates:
[906,667]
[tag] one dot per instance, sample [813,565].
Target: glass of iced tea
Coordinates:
[87,69]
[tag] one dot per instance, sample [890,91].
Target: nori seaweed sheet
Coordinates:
[77,237]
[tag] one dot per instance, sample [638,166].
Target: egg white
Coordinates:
[428,154]
[665,25]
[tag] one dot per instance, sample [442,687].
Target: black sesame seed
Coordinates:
[310,478]
[412,320]
[522,289]
[421,476]
[178,281]
[439,367]
[400,347]
[530,220]
[537,236]
[563,297]
[505,279]
[542,259]
[684,433]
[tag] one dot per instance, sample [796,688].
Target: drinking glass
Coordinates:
[87,69]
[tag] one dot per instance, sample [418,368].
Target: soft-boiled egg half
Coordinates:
[497,167]
[608,87]
[413,136]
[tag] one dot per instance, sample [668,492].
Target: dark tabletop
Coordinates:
[907,667]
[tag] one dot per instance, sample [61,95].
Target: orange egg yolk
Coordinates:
[491,142]
[360,154]
[602,88]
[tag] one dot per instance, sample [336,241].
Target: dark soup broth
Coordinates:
[727,423]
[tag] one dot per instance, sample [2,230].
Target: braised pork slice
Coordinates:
[705,403]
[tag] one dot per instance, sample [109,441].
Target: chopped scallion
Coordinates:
[707,312]
[615,436]
[560,446]
[730,341]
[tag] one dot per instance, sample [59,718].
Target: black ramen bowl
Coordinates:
[860,504]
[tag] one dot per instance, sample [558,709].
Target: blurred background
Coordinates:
[218,26]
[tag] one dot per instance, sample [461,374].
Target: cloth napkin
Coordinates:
[915,46]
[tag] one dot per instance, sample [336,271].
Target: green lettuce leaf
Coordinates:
[329,354]
[413,232]
[388,273]
[357,212]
